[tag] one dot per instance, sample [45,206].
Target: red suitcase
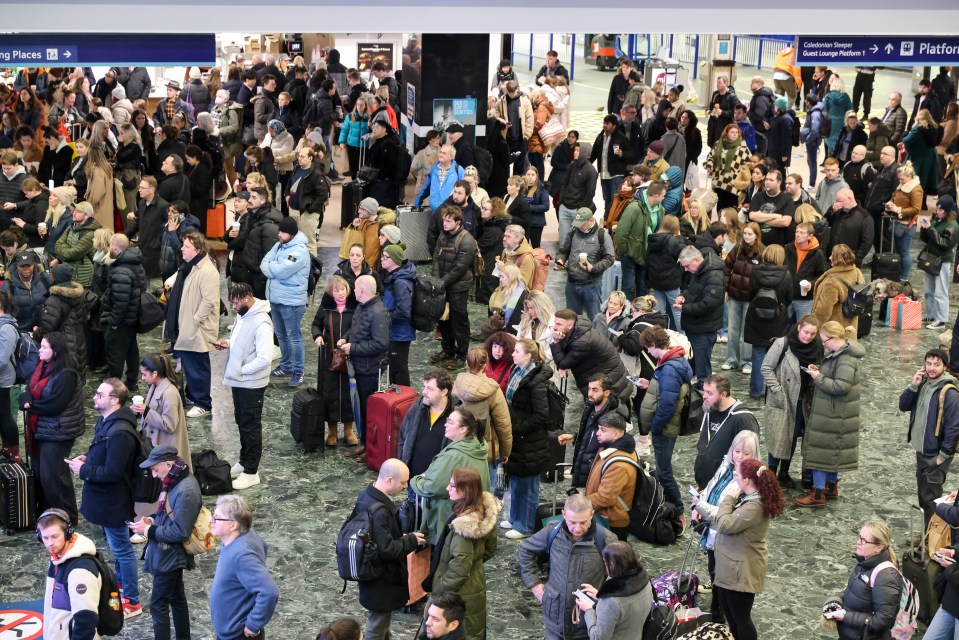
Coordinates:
[385,411]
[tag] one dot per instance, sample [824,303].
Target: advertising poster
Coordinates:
[462,111]
[369,52]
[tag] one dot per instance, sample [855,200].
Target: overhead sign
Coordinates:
[872,50]
[68,50]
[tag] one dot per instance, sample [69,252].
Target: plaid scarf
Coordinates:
[515,377]
[176,471]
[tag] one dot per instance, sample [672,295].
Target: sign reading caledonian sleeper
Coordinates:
[128,49]
[874,50]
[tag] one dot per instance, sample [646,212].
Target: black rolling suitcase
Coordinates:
[865,319]
[920,570]
[307,420]
[550,509]
[17,498]
[557,451]
[886,265]
[353,193]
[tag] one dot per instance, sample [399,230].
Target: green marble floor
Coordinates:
[303,499]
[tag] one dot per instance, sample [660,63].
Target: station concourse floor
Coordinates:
[303,499]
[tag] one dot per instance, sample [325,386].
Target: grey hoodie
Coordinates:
[251,348]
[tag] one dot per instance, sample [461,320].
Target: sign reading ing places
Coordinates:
[874,50]
[116,49]
[42,56]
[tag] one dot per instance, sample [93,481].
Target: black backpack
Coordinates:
[212,474]
[151,313]
[766,304]
[857,298]
[484,163]
[557,400]
[26,354]
[825,124]
[661,624]
[404,162]
[429,302]
[146,488]
[315,273]
[651,518]
[109,609]
[796,127]
[357,558]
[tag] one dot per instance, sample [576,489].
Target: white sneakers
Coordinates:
[505,524]
[136,538]
[196,412]
[236,470]
[747,369]
[513,534]
[246,480]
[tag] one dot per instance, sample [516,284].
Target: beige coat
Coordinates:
[100,194]
[830,294]
[741,554]
[199,308]
[485,400]
[164,420]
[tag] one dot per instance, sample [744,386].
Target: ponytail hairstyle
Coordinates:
[770,493]
[162,365]
[534,348]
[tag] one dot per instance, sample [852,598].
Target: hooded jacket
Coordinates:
[529,419]
[65,310]
[287,268]
[611,493]
[663,272]
[663,403]
[75,247]
[483,398]
[431,485]
[704,297]
[579,185]
[762,331]
[881,137]
[623,606]
[585,351]
[712,446]
[638,220]
[470,542]
[398,298]
[126,280]
[673,201]
[250,352]
[812,266]
[71,612]
[29,299]
[586,445]
[108,473]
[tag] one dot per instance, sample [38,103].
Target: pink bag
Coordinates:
[905,313]
[552,131]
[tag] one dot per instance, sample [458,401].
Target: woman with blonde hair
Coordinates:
[613,316]
[836,103]
[831,438]
[516,205]
[508,300]
[694,222]
[100,185]
[537,321]
[542,112]
[254,180]
[907,201]
[58,216]
[333,319]
[832,287]
[478,194]
[871,599]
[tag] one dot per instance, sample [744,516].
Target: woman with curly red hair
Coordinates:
[741,522]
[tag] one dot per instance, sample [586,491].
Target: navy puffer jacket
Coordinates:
[60,410]
[29,299]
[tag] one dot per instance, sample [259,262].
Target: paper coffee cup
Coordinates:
[582,257]
[42,226]
[805,285]
[137,399]
[235,225]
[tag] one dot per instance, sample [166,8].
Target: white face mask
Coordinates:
[219,101]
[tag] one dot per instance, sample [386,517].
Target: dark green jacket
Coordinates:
[941,238]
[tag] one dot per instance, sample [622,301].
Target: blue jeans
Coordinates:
[196,369]
[702,344]
[756,381]
[901,241]
[610,188]
[583,296]
[664,303]
[942,626]
[168,593]
[524,498]
[634,278]
[125,561]
[724,332]
[937,293]
[663,453]
[820,478]
[737,351]
[812,160]
[286,325]
[565,217]
[799,309]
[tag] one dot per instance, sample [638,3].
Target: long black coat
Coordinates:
[762,331]
[585,351]
[391,590]
[65,311]
[148,223]
[529,415]
[335,386]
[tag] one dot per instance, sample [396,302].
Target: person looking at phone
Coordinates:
[871,600]
[944,622]
[933,425]
[622,603]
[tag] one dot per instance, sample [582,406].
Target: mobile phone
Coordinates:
[938,556]
[830,614]
[579,593]
[130,523]
[806,369]
[693,491]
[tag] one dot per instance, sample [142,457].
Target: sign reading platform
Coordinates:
[135,50]
[874,50]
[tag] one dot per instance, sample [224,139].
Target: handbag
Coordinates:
[351,236]
[338,357]
[938,535]
[368,174]
[929,263]
[341,160]
[551,131]
[494,323]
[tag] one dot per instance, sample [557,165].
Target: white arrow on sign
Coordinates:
[67,54]
[875,48]
[888,48]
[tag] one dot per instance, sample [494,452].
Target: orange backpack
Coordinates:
[541,271]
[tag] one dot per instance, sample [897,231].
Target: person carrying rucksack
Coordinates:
[767,316]
[611,485]
[69,601]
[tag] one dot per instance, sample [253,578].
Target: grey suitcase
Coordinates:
[414,226]
[612,279]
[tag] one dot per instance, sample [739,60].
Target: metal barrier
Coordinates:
[753,51]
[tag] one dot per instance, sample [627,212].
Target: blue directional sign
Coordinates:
[873,50]
[129,49]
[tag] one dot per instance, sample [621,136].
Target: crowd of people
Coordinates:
[758,262]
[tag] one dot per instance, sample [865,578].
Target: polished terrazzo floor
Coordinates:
[303,500]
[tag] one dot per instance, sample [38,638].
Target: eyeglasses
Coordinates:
[99,394]
[862,540]
[215,519]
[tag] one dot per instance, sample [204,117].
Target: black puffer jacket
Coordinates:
[704,297]
[344,271]
[59,408]
[29,300]
[314,192]
[126,279]
[663,272]
[490,241]
[585,351]
[586,444]
[870,611]
[762,331]
[369,336]
[529,415]
[389,591]
[31,211]
[263,234]
[67,312]
[454,267]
